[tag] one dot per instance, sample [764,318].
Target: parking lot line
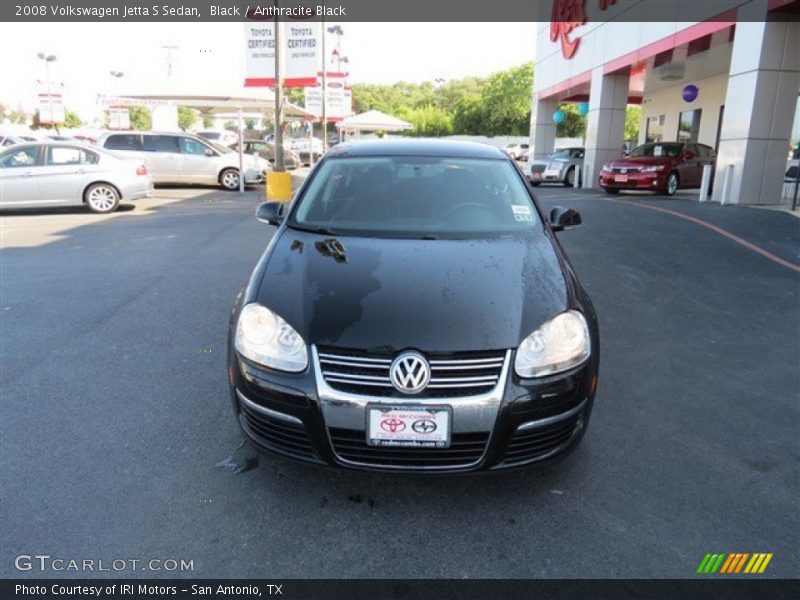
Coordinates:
[735,238]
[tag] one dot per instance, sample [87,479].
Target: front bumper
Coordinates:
[516,424]
[656,180]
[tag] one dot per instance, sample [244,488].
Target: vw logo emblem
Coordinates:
[424,426]
[410,373]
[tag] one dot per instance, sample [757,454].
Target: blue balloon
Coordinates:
[558,117]
[690,93]
[583,109]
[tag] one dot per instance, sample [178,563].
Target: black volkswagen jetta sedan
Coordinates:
[414,312]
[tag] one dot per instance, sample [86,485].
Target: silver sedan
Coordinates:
[560,167]
[61,174]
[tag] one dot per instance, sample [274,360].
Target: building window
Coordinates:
[699,45]
[655,129]
[689,125]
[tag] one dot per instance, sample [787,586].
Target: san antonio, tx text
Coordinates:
[238,591]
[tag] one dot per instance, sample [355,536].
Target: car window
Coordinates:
[21,157]
[124,141]
[416,196]
[161,143]
[192,146]
[657,150]
[560,154]
[577,154]
[63,155]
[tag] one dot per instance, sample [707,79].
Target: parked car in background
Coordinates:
[560,167]
[185,158]
[663,167]
[306,148]
[60,174]
[517,151]
[266,150]
[224,138]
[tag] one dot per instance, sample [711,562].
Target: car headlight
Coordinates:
[606,167]
[652,169]
[265,338]
[558,345]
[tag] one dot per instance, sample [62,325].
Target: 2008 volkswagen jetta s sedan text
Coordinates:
[414,312]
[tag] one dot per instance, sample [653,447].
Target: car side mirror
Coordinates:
[687,155]
[209,152]
[564,218]
[270,213]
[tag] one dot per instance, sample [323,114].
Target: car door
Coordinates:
[200,162]
[163,157]
[691,169]
[67,170]
[19,168]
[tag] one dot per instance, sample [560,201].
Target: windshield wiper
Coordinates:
[314,229]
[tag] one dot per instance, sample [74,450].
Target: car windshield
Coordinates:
[220,148]
[415,197]
[657,150]
[560,154]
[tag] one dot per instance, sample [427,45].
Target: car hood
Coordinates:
[434,295]
[641,161]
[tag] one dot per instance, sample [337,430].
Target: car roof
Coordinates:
[416,147]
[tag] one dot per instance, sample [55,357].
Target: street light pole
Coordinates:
[47,60]
[324,95]
[279,166]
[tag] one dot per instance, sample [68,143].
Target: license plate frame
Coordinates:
[409,414]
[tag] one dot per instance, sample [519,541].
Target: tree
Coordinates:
[187,117]
[429,120]
[573,125]
[633,118]
[208,121]
[250,124]
[468,115]
[506,97]
[141,119]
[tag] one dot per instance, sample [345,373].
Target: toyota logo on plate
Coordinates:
[410,373]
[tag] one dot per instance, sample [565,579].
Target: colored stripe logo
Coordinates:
[736,562]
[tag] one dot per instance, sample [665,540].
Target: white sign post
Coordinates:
[51,109]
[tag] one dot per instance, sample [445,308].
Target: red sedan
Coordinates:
[662,167]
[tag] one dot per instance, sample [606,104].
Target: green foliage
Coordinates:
[141,119]
[633,118]
[208,121]
[231,126]
[573,125]
[497,105]
[250,124]
[187,117]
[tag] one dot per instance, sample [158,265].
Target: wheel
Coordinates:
[569,179]
[536,183]
[611,190]
[672,184]
[101,198]
[229,179]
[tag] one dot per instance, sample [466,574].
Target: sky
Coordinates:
[210,56]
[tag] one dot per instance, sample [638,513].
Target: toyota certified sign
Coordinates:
[410,373]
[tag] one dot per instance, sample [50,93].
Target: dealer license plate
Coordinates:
[409,426]
[621,178]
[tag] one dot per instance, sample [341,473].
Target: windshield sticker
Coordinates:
[527,217]
[521,210]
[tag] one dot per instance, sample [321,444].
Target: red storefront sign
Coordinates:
[567,16]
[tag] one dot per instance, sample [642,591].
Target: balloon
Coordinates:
[558,117]
[690,93]
[583,109]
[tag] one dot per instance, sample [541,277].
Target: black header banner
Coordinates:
[400,11]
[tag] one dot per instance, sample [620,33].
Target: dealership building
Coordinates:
[729,79]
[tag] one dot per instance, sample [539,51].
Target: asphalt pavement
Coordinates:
[115,412]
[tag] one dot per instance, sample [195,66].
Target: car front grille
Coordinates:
[530,444]
[626,170]
[452,374]
[465,449]
[276,434]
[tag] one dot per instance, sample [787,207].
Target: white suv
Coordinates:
[184,158]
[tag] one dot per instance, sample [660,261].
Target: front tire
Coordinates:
[229,179]
[101,198]
[536,183]
[569,178]
[672,184]
[611,190]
